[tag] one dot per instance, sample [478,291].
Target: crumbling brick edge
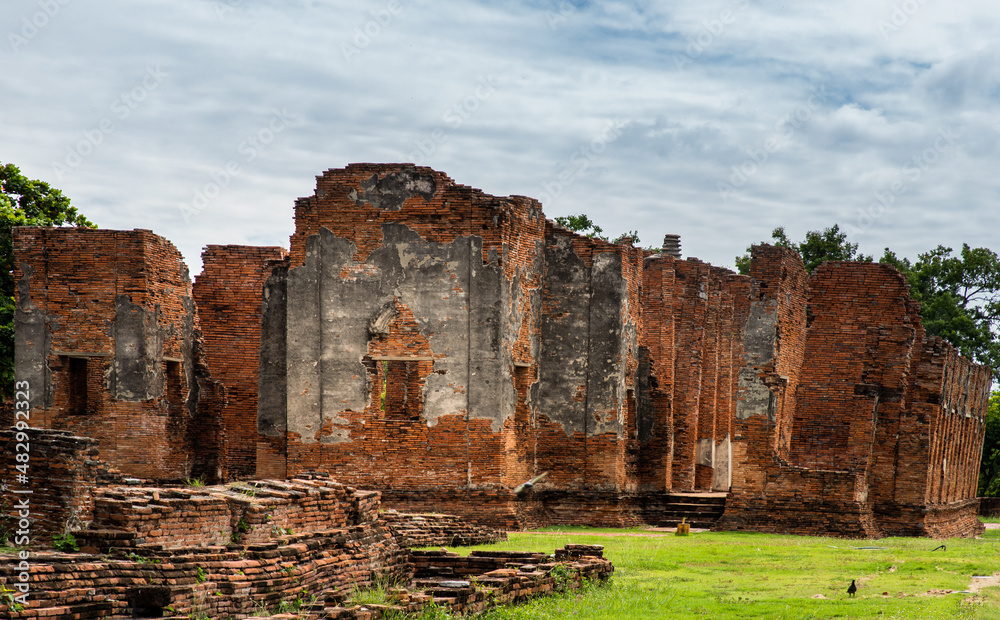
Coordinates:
[320,570]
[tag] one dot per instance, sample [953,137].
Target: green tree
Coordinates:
[581,224]
[818,246]
[23,202]
[959,297]
[989,472]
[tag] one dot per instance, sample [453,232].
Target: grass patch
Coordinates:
[378,593]
[989,519]
[747,575]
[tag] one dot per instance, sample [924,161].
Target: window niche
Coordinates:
[76,384]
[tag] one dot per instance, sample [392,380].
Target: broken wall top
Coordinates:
[354,202]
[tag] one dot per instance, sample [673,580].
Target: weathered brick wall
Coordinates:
[436,530]
[853,453]
[246,512]
[56,493]
[454,346]
[228,294]
[443,345]
[654,393]
[105,332]
[590,327]
[693,317]
[433,309]
[941,428]
[210,581]
[861,330]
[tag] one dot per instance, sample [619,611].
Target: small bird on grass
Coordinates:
[851,589]
[522,489]
[941,547]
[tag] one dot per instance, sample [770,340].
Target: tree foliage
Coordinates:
[23,202]
[581,224]
[989,471]
[960,298]
[585,226]
[818,246]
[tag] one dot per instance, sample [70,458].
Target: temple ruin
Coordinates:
[442,346]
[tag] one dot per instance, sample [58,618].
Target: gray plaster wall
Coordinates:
[610,341]
[136,373]
[271,391]
[586,340]
[455,298]
[759,338]
[32,343]
[565,328]
[722,465]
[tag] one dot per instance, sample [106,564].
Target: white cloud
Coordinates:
[698,89]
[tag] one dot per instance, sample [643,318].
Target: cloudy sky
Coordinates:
[203,120]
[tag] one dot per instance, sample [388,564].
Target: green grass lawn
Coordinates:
[746,575]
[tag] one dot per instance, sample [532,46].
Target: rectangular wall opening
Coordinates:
[76,382]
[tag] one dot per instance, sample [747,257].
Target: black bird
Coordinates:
[942,548]
[851,589]
[523,489]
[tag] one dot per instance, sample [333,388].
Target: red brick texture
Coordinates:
[862,450]
[443,346]
[438,530]
[228,294]
[60,480]
[106,338]
[341,547]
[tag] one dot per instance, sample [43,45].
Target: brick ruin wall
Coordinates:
[861,450]
[319,571]
[57,492]
[233,550]
[449,398]
[438,530]
[105,337]
[442,346]
[384,375]
[693,317]
[228,294]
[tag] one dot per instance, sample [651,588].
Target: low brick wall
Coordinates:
[320,570]
[242,512]
[62,470]
[212,581]
[827,507]
[485,579]
[500,508]
[438,530]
